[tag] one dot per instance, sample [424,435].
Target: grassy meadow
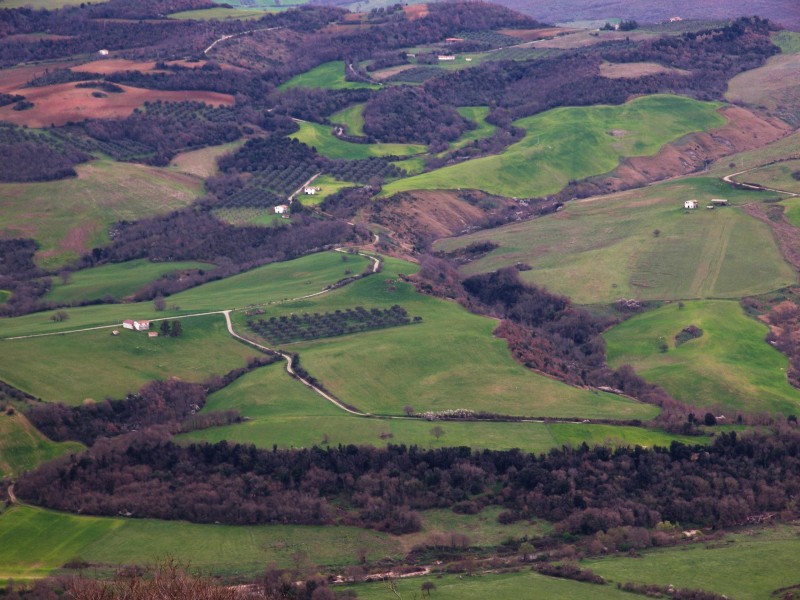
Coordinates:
[34,542]
[328,185]
[94,365]
[281,411]
[777,176]
[23,448]
[476,114]
[219,13]
[600,249]
[270,283]
[103,193]
[573,143]
[117,280]
[382,371]
[352,117]
[202,162]
[750,565]
[329,75]
[730,366]
[321,138]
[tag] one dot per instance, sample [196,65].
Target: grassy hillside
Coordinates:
[23,448]
[476,114]
[601,249]
[202,162]
[219,13]
[328,75]
[730,366]
[321,138]
[382,371]
[95,365]
[282,411]
[34,542]
[352,117]
[117,280]
[573,143]
[750,565]
[270,283]
[104,192]
[777,176]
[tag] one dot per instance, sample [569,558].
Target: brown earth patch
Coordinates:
[774,87]
[58,104]
[386,73]
[11,80]
[744,131]
[584,38]
[416,11]
[536,34]
[639,69]
[112,65]
[25,38]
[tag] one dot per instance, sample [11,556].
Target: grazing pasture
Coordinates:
[117,280]
[476,114]
[219,13]
[383,371]
[352,117]
[93,365]
[329,75]
[573,143]
[642,244]
[203,162]
[777,176]
[773,87]
[23,448]
[321,138]
[35,542]
[730,366]
[103,193]
[751,564]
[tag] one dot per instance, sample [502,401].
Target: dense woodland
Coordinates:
[582,490]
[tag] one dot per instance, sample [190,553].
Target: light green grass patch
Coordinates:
[320,137]
[328,75]
[730,366]
[202,162]
[23,448]
[96,365]
[476,114]
[351,117]
[383,371]
[34,542]
[220,13]
[524,584]
[116,280]
[750,565]
[248,216]
[104,192]
[270,283]
[573,143]
[601,249]
[4,296]
[328,185]
[777,176]
[412,166]
[787,41]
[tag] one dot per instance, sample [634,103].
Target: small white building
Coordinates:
[127,324]
[719,202]
[446,57]
[281,209]
[141,325]
[310,191]
[690,204]
[103,52]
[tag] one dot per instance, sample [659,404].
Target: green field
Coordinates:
[96,365]
[777,176]
[352,117]
[282,411]
[116,280]
[383,371]
[220,13]
[524,584]
[328,75]
[601,249]
[476,114]
[573,143]
[202,162]
[787,41]
[321,138]
[730,366]
[34,542]
[328,185]
[750,565]
[103,193]
[270,283]
[4,295]
[23,448]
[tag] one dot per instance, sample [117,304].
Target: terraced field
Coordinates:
[572,143]
[730,366]
[642,244]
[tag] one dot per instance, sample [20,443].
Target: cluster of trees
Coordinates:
[168,403]
[582,490]
[295,327]
[784,335]
[29,156]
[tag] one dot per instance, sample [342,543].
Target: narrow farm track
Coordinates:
[729,179]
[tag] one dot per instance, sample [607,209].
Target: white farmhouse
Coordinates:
[690,204]
[281,209]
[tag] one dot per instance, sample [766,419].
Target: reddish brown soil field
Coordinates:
[14,78]
[640,69]
[58,104]
[416,11]
[112,65]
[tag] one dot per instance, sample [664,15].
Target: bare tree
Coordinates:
[437,432]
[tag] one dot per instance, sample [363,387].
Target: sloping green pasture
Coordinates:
[573,143]
[116,280]
[450,360]
[601,249]
[777,176]
[286,413]
[220,13]
[352,117]
[476,114]
[329,75]
[321,138]
[750,565]
[730,366]
[270,283]
[23,448]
